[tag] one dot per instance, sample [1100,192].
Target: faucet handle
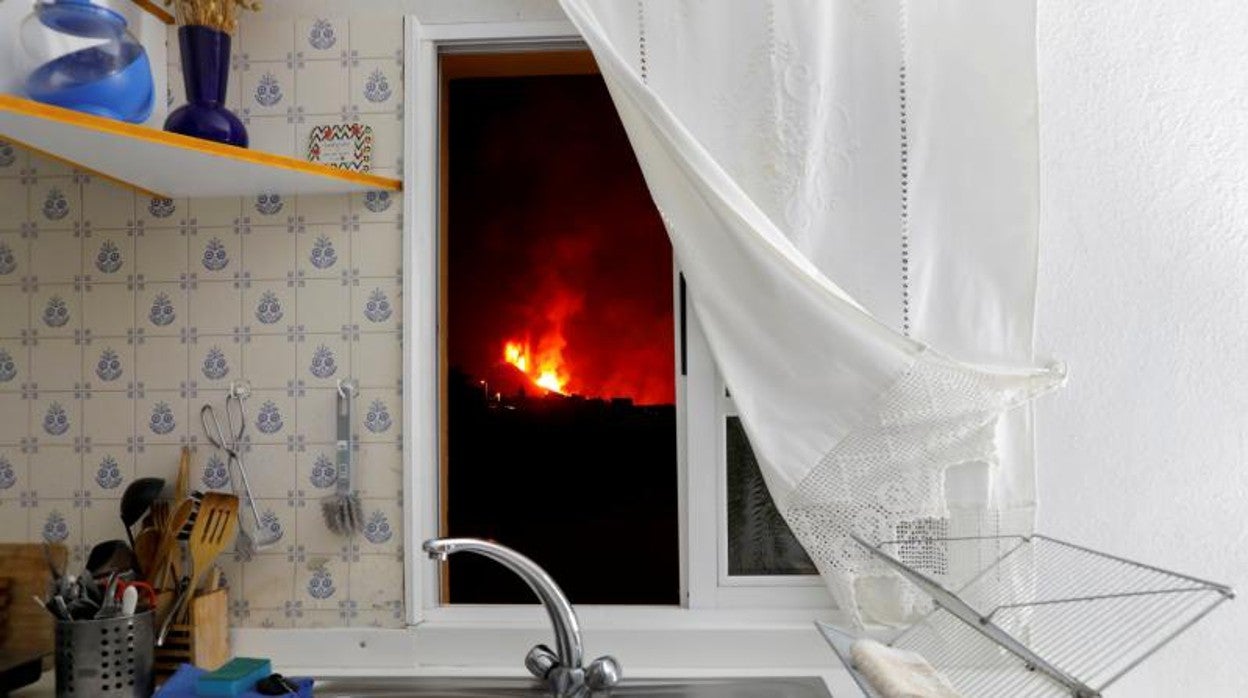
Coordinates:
[604,672]
[540,661]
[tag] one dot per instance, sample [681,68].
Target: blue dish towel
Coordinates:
[182,684]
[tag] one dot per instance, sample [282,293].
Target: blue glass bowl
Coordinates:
[115,82]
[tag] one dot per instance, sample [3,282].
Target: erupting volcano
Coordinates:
[560,271]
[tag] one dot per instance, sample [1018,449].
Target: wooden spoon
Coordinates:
[146,547]
[169,541]
[182,486]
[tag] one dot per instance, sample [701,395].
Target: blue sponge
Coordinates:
[183,685]
[237,676]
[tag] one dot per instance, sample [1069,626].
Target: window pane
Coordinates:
[759,540]
[561,422]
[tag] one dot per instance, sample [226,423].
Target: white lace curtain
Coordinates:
[850,189]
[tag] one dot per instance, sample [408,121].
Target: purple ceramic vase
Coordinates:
[205,72]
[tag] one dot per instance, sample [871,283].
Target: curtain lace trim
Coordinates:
[889,473]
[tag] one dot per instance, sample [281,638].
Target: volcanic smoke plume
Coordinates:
[559,265]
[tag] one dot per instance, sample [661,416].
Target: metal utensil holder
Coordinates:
[1043,618]
[105,658]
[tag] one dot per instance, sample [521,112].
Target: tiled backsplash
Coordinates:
[120,315]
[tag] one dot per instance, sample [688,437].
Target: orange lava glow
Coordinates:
[546,369]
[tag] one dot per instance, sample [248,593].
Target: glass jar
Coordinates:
[82,56]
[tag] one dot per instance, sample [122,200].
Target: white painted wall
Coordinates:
[1144,292]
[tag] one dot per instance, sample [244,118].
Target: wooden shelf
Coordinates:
[168,164]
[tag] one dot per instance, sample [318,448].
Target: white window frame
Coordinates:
[771,615]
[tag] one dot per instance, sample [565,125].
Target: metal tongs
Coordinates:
[230,439]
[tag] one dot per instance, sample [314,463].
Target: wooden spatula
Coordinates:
[214,531]
[216,524]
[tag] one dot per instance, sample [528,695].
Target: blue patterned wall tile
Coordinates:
[83,267]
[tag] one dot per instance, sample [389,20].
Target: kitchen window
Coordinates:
[732,551]
[559,379]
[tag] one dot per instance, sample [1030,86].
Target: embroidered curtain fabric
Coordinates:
[850,191]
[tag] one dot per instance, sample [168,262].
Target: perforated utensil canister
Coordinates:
[105,658]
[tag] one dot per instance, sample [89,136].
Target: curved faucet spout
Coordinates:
[562,616]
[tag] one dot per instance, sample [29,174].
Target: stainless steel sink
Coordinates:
[427,687]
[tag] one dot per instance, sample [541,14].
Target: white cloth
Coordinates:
[771,138]
[895,673]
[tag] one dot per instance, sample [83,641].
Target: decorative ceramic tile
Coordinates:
[13,521]
[14,258]
[107,255]
[57,258]
[268,308]
[48,363]
[108,364]
[157,212]
[160,255]
[269,361]
[216,213]
[321,37]
[377,85]
[15,319]
[56,203]
[379,471]
[270,252]
[14,418]
[13,159]
[270,468]
[376,37]
[273,134]
[326,208]
[323,360]
[323,251]
[371,355]
[217,363]
[56,310]
[377,206]
[215,308]
[13,193]
[322,87]
[376,250]
[121,315]
[324,305]
[160,363]
[161,309]
[14,366]
[261,40]
[107,205]
[216,253]
[108,418]
[268,89]
[107,471]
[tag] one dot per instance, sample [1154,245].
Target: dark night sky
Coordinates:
[551,226]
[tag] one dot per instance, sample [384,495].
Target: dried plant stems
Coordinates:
[221,15]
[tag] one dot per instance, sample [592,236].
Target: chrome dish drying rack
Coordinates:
[1043,618]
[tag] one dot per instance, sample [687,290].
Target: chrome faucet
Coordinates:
[562,669]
